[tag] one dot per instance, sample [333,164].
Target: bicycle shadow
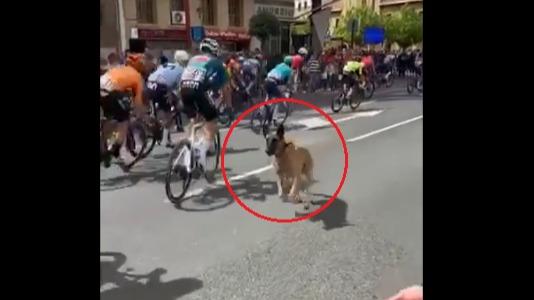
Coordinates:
[335,216]
[231,150]
[251,189]
[129,286]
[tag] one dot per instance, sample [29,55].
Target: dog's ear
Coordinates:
[280,131]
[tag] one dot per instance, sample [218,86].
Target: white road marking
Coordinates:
[361,137]
[199,191]
[321,122]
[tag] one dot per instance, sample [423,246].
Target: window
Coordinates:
[364,2]
[146,11]
[299,8]
[208,12]
[101,14]
[337,22]
[235,13]
[177,5]
[305,4]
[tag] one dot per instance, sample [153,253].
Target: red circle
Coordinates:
[277,220]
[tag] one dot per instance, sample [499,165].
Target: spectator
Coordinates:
[314,72]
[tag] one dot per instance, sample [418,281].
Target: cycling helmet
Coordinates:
[302,51]
[209,45]
[288,60]
[136,61]
[181,57]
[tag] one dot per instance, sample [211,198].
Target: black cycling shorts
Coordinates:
[116,106]
[194,101]
[349,79]
[159,95]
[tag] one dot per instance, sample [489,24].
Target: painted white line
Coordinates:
[199,191]
[361,137]
[325,123]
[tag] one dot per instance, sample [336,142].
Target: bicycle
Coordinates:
[183,161]
[134,130]
[353,102]
[266,115]
[414,82]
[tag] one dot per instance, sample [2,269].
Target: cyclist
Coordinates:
[163,89]
[204,72]
[250,70]
[279,75]
[115,88]
[297,63]
[352,70]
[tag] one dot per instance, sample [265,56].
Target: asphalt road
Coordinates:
[366,245]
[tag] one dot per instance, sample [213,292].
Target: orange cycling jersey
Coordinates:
[126,78]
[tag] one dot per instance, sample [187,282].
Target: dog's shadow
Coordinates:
[334,216]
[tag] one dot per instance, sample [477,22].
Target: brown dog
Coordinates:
[291,163]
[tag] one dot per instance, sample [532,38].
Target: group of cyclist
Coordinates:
[134,86]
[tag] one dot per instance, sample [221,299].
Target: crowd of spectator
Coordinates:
[324,71]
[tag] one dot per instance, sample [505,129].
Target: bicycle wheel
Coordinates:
[213,157]
[409,86]
[151,135]
[256,119]
[136,141]
[389,80]
[280,113]
[223,115]
[337,103]
[356,99]
[177,175]
[369,90]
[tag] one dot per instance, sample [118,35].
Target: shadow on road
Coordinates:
[231,150]
[335,216]
[251,189]
[129,286]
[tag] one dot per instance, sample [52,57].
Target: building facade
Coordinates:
[166,24]
[284,11]
[109,28]
[390,6]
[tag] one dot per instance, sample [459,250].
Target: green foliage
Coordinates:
[365,15]
[263,25]
[404,27]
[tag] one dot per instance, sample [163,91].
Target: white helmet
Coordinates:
[181,57]
[303,51]
[210,45]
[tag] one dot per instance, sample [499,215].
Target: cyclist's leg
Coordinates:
[210,128]
[113,110]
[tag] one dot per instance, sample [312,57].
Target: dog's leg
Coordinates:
[295,189]
[279,185]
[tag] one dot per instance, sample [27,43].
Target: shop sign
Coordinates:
[162,34]
[281,12]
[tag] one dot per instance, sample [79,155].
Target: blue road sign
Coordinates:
[197,33]
[373,35]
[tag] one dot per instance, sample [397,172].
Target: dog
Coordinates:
[293,164]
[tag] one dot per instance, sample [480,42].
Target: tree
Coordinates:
[404,27]
[366,17]
[263,25]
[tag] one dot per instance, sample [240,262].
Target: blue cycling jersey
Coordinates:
[168,74]
[281,73]
[204,72]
